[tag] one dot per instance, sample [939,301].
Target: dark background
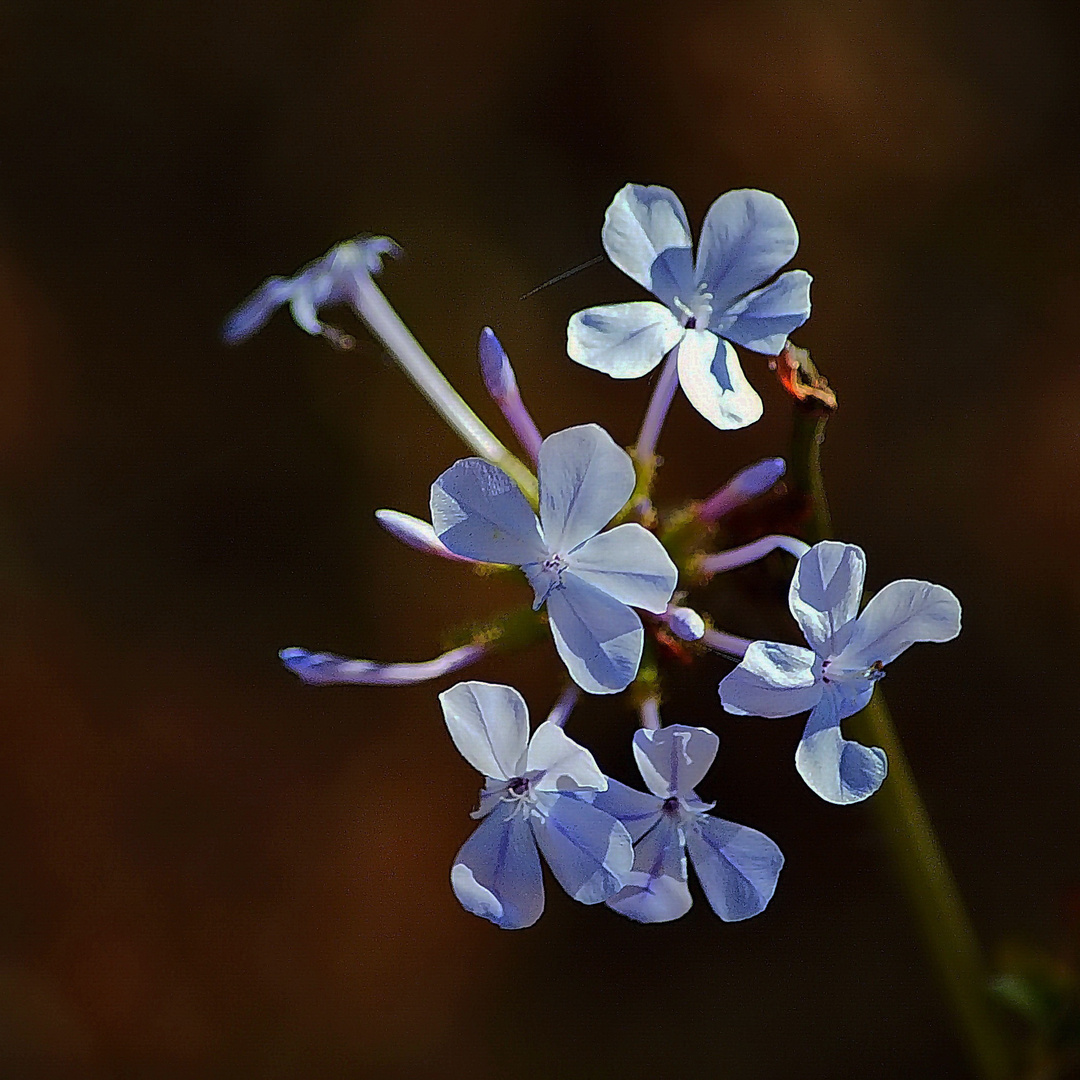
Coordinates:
[213,871]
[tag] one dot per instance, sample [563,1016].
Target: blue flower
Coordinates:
[528,800]
[329,280]
[588,581]
[737,866]
[835,677]
[705,304]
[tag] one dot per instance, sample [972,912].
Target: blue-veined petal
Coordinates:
[673,760]
[255,311]
[737,866]
[629,563]
[764,319]
[747,236]
[589,852]
[636,810]
[772,680]
[497,875]
[479,512]
[489,724]
[902,613]
[825,594]
[714,382]
[641,225]
[624,341]
[598,637]
[566,766]
[655,889]
[585,480]
[838,770]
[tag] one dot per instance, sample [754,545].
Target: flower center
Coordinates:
[671,806]
[698,311]
[518,787]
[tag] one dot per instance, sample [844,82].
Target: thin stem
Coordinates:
[728,644]
[385,323]
[564,706]
[663,394]
[650,714]
[748,553]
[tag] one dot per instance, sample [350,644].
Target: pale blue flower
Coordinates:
[528,800]
[737,866]
[331,279]
[723,297]
[835,677]
[589,580]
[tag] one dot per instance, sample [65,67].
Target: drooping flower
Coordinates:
[722,298]
[590,580]
[737,866]
[528,801]
[835,677]
[331,279]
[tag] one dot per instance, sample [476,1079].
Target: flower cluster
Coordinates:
[610,574]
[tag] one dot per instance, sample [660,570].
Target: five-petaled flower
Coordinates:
[737,866]
[835,677]
[528,799]
[725,296]
[588,579]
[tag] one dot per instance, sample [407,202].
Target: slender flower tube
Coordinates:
[502,386]
[745,485]
[748,553]
[322,669]
[416,533]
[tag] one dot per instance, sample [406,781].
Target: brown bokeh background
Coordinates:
[212,871]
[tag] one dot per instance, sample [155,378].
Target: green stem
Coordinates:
[385,323]
[931,888]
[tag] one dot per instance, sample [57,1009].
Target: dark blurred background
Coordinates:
[213,871]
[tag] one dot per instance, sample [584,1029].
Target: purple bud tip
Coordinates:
[685,623]
[756,479]
[495,366]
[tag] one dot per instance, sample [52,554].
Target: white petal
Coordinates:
[772,680]
[479,512]
[747,236]
[640,225]
[589,852]
[825,594]
[656,889]
[673,760]
[489,724]
[599,638]
[629,563]
[585,480]
[714,382]
[636,810]
[737,866]
[566,765]
[840,771]
[496,874]
[902,613]
[624,341]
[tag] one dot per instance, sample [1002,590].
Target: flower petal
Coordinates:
[629,563]
[656,889]
[772,680]
[838,770]
[902,613]
[585,480]
[641,226]
[714,382]
[589,852]
[489,724]
[673,760]
[566,765]
[825,594]
[737,866]
[747,236]
[599,638]
[763,320]
[636,810]
[624,341]
[479,512]
[497,875]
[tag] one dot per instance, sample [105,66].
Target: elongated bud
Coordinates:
[685,623]
[495,366]
[416,533]
[752,481]
[321,669]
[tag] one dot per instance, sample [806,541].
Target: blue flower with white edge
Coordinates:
[528,802]
[835,677]
[722,298]
[737,866]
[590,580]
[333,279]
